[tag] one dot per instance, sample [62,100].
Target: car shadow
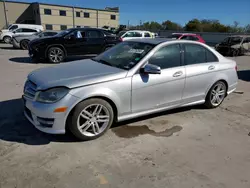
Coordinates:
[21,60]
[9,48]
[68,59]
[15,128]
[244,75]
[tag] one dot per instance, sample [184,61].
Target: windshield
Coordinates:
[12,27]
[63,33]
[38,33]
[174,36]
[9,26]
[121,33]
[235,40]
[124,55]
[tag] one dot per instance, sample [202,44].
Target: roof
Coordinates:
[138,31]
[108,9]
[239,36]
[184,34]
[154,41]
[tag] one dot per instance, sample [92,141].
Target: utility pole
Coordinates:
[5,14]
[128,24]
[73,12]
[97,18]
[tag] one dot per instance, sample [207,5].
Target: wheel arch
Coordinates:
[222,80]
[105,98]
[55,45]
[23,40]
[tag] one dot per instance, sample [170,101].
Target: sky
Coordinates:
[180,11]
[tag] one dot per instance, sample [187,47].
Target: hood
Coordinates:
[75,74]
[42,39]
[4,30]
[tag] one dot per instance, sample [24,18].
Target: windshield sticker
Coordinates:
[136,51]
[137,59]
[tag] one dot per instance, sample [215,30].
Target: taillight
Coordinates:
[120,39]
[236,68]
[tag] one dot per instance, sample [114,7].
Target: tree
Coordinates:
[193,25]
[168,25]
[151,26]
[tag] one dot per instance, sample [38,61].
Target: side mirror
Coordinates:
[14,32]
[151,69]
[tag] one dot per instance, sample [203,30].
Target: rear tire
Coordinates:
[55,55]
[85,116]
[7,39]
[216,95]
[24,44]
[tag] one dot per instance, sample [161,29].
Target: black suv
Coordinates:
[76,41]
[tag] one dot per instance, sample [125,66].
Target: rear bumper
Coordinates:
[232,88]
[15,43]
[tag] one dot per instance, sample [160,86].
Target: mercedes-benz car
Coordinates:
[134,78]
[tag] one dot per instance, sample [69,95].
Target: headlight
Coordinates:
[52,95]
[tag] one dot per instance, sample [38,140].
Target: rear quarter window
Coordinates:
[211,57]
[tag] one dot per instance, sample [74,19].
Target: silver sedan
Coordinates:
[132,79]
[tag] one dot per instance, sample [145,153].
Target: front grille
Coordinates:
[30,89]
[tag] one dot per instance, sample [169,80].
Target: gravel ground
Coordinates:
[188,147]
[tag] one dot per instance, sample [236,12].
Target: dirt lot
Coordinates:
[190,147]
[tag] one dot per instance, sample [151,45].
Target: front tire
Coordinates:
[7,39]
[91,119]
[55,55]
[216,95]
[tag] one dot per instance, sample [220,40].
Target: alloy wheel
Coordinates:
[93,120]
[56,55]
[218,94]
[7,40]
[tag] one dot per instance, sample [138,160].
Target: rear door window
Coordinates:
[197,54]
[194,54]
[94,34]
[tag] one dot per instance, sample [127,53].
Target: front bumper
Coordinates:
[33,53]
[43,117]
[15,43]
[1,36]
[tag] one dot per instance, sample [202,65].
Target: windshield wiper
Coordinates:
[107,63]
[102,61]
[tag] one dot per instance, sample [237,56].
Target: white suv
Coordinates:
[6,36]
[135,34]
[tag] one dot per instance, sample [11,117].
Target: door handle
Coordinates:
[177,74]
[211,67]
